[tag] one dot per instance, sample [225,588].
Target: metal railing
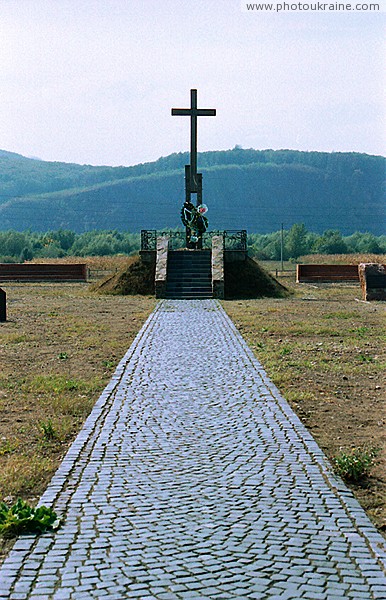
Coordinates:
[235,240]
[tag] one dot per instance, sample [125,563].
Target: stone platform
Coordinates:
[192,478]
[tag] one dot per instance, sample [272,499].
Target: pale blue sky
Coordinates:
[93,81]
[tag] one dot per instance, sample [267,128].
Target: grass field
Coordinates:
[322,347]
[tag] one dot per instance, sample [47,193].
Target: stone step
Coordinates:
[188,262]
[189,275]
[189,269]
[187,278]
[190,252]
[189,296]
[188,289]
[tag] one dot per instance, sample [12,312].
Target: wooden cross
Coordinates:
[193,112]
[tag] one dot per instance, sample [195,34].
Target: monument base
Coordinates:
[372,277]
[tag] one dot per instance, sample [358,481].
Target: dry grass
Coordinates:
[104,263]
[58,350]
[325,351]
[137,278]
[99,267]
[341,259]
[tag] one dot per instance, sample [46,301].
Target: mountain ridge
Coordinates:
[247,189]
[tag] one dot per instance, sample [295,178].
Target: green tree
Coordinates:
[364,242]
[64,237]
[26,254]
[331,242]
[296,243]
[13,243]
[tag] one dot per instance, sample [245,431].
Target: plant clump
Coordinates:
[356,465]
[22,518]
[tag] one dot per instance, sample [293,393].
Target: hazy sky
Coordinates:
[93,81]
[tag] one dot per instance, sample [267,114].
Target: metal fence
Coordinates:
[233,240]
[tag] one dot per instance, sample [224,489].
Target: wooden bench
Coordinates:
[33,272]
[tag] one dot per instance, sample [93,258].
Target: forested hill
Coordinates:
[244,189]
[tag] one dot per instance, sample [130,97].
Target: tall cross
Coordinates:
[193,112]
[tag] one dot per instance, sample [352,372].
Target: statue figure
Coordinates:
[195,221]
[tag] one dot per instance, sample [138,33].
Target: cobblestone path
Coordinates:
[192,478]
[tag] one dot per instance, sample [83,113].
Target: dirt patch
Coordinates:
[325,351]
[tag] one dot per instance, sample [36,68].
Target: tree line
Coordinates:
[298,241]
[16,246]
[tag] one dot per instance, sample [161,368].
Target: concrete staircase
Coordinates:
[189,275]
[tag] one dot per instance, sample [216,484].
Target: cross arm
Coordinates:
[199,112]
[181,112]
[206,112]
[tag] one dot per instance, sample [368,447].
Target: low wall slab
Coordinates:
[32,272]
[326,273]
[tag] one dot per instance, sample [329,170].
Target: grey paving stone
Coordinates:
[192,478]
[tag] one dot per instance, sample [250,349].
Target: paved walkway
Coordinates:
[192,478]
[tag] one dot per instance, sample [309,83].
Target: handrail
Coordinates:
[235,240]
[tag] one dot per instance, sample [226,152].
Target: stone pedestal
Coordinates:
[373,281]
[218,266]
[161,267]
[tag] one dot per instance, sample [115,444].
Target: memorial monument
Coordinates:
[193,216]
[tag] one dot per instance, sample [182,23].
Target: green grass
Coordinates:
[8,447]
[59,384]
[361,332]
[340,315]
